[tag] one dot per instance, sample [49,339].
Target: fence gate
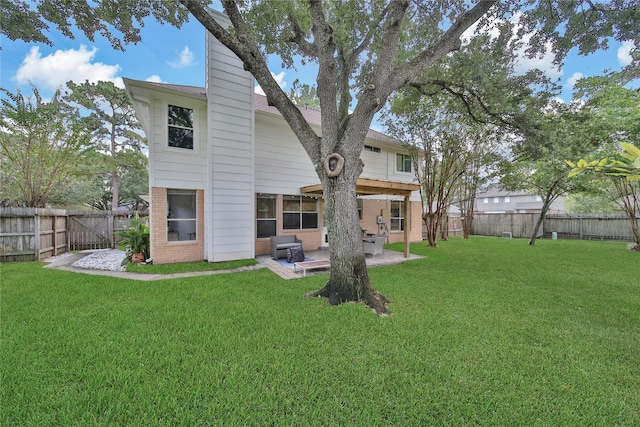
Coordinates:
[90,231]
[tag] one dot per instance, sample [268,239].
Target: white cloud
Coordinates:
[542,62]
[571,81]
[185,59]
[624,53]
[155,79]
[279,79]
[56,69]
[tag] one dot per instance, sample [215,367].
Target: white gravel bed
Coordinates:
[106,259]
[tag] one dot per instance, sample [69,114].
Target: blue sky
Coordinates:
[177,56]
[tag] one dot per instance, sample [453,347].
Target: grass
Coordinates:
[484,332]
[186,267]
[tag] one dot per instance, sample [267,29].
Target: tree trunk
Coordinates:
[431,222]
[534,235]
[349,280]
[629,201]
[467,224]
[635,229]
[467,208]
[551,195]
[115,185]
[444,228]
[115,190]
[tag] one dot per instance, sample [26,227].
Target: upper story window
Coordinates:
[372,148]
[180,127]
[299,212]
[403,162]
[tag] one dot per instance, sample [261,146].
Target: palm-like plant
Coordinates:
[136,238]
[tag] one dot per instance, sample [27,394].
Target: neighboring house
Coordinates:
[495,200]
[226,172]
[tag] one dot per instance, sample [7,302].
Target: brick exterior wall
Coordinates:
[372,208]
[165,252]
[312,239]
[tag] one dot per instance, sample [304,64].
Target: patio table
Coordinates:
[311,265]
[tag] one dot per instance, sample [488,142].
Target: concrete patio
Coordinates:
[389,257]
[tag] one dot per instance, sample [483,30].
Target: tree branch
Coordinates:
[327,73]
[449,42]
[299,38]
[462,93]
[245,47]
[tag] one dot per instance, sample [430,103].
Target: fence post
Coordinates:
[36,235]
[67,232]
[55,234]
[580,222]
[110,227]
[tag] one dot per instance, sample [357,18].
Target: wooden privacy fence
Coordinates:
[29,234]
[585,227]
[518,224]
[589,227]
[450,225]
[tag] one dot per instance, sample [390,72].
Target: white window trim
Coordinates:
[165,131]
[275,197]
[197,236]
[403,220]
[395,167]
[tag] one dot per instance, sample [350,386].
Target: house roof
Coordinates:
[494,190]
[261,104]
[191,90]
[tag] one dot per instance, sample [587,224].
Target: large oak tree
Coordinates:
[364,51]
[117,130]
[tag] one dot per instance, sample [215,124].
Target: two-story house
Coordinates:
[495,200]
[226,172]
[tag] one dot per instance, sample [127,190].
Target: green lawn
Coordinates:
[484,332]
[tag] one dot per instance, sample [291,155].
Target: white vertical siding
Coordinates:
[230,191]
[171,167]
[282,166]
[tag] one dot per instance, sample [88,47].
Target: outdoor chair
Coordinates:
[280,244]
[374,245]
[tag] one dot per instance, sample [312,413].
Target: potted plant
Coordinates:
[136,238]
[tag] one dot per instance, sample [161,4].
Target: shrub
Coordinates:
[136,238]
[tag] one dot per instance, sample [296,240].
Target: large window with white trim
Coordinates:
[180,127]
[299,212]
[181,215]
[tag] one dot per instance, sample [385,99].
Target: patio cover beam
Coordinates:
[369,187]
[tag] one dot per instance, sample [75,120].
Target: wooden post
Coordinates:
[55,235]
[580,222]
[111,218]
[406,226]
[36,235]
